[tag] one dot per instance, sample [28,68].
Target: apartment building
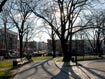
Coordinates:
[11,39]
[79,47]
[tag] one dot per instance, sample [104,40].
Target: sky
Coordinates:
[44,36]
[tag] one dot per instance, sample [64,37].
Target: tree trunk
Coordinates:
[66,54]
[53,45]
[21,46]
[98,49]
[54,48]
[5,40]
[70,47]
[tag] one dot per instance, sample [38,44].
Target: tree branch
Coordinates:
[2,4]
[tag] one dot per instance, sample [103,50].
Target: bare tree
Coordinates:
[28,35]
[97,36]
[53,36]
[19,16]
[61,16]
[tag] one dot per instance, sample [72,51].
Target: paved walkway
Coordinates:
[41,70]
[48,69]
[92,69]
[95,69]
[72,70]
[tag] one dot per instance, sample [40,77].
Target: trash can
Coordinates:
[15,63]
[72,59]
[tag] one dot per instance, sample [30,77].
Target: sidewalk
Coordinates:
[41,70]
[84,70]
[95,69]
[74,71]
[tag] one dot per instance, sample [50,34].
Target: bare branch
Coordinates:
[2,4]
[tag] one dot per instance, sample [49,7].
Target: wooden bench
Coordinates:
[19,61]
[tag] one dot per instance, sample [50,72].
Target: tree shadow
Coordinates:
[48,72]
[34,66]
[66,72]
[32,70]
[91,71]
[101,60]
[61,74]
[98,70]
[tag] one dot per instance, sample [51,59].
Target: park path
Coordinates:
[95,69]
[41,70]
[48,69]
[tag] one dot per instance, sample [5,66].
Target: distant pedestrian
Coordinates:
[29,57]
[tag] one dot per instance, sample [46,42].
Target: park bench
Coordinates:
[19,61]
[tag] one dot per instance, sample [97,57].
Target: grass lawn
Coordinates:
[41,58]
[87,57]
[79,58]
[4,74]
[5,64]
[4,67]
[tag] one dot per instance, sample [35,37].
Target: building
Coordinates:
[11,39]
[79,47]
[33,46]
[41,46]
[58,45]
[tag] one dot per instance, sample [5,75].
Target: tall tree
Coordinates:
[19,16]
[61,16]
[97,34]
[52,35]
